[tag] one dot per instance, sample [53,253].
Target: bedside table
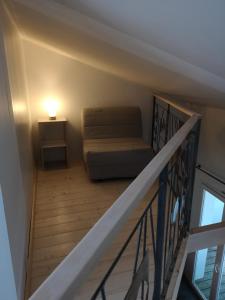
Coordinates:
[52,142]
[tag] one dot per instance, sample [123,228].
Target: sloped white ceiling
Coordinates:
[191,30]
[175,47]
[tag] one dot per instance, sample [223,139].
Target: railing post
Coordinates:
[167,124]
[194,157]
[153,122]
[160,234]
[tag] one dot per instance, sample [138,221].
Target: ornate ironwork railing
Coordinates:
[174,198]
[174,209]
[166,122]
[143,231]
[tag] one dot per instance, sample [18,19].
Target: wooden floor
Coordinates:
[67,205]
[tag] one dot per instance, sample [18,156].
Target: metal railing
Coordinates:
[140,272]
[173,168]
[167,120]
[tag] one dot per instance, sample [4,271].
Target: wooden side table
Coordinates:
[53,145]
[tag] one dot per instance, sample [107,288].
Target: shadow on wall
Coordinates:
[212,141]
[74,134]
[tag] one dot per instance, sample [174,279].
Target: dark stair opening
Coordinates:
[186,291]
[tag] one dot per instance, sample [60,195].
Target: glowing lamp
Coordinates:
[51,107]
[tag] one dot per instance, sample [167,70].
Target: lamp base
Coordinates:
[52,118]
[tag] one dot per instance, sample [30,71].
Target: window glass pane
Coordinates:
[212,211]
[204,268]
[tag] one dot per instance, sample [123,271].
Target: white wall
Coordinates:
[19,98]
[212,141]
[77,85]
[7,280]
[15,144]
[211,152]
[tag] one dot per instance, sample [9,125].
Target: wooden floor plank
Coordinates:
[67,205]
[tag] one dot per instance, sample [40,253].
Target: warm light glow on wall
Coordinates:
[51,105]
[19,107]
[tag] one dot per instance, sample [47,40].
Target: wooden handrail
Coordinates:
[182,109]
[206,236]
[73,270]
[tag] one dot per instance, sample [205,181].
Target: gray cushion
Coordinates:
[112,145]
[112,122]
[117,157]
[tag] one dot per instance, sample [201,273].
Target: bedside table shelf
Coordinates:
[47,121]
[52,140]
[53,144]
